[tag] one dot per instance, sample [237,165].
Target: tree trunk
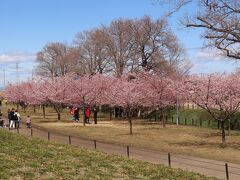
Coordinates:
[84,117]
[17,107]
[139,114]
[59,116]
[163,121]
[95,115]
[110,115]
[229,126]
[34,108]
[129,115]
[120,112]
[130,123]
[223,131]
[44,113]
[116,112]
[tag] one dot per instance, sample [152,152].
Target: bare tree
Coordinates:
[52,60]
[92,51]
[173,5]
[220,19]
[147,35]
[122,47]
[119,42]
[74,61]
[156,46]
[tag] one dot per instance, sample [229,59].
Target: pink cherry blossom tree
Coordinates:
[218,94]
[80,93]
[159,92]
[126,94]
[100,85]
[89,90]
[57,93]
[18,94]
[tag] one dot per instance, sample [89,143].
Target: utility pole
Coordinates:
[177,112]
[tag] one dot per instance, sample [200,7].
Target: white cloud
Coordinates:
[17,57]
[209,54]
[211,61]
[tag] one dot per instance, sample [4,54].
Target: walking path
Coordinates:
[200,165]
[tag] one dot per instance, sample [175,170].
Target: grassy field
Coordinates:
[188,140]
[24,158]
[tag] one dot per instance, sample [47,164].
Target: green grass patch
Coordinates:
[24,158]
[199,117]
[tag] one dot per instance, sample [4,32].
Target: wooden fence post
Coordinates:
[49,136]
[226,170]
[128,152]
[169,159]
[95,144]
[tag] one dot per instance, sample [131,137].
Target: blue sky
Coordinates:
[27,25]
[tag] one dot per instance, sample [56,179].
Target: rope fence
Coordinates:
[169,159]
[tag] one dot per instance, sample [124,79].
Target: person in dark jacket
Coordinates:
[1,120]
[12,118]
[9,118]
[76,115]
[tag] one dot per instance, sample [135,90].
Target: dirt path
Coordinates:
[200,165]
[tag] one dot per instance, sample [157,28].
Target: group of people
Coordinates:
[75,114]
[14,119]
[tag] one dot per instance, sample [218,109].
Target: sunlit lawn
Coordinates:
[195,141]
[24,158]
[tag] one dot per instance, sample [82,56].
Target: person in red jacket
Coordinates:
[88,113]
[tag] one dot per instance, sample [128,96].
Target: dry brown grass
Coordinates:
[194,141]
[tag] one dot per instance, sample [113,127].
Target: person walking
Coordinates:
[1,120]
[88,113]
[17,119]
[73,113]
[28,122]
[12,118]
[76,115]
[9,118]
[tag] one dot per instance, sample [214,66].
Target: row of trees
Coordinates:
[218,94]
[125,46]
